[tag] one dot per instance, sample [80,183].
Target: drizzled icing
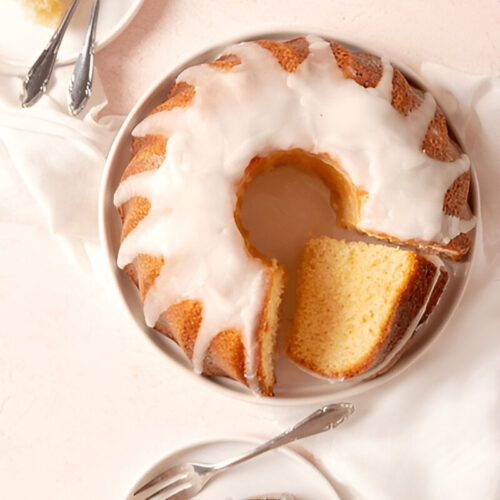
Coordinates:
[255,109]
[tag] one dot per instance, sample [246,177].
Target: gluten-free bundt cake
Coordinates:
[358,305]
[379,144]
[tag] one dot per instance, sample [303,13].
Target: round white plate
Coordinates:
[277,471]
[294,387]
[22,40]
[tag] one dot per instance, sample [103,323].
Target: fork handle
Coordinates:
[36,80]
[321,420]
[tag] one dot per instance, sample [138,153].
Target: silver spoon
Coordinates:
[80,87]
[38,76]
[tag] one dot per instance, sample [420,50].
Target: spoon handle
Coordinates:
[35,83]
[80,87]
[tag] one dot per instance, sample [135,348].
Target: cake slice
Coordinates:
[356,302]
[46,12]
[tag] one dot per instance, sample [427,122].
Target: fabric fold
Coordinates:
[52,163]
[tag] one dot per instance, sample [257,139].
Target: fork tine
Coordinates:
[173,487]
[182,495]
[170,473]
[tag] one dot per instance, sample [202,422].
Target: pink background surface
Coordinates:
[460,34]
[86,404]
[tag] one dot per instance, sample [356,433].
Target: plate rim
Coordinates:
[192,444]
[156,338]
[19,67]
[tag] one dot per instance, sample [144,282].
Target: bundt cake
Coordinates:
[379,144]
[358,304]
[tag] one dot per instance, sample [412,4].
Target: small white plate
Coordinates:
[277,471]
[22,40]
[294,386]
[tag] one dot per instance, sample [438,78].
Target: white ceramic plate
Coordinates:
[294,387]
[22,40]
[278,471]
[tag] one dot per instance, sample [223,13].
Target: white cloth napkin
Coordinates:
[51,163]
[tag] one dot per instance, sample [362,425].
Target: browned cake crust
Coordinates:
[408,307]
[181,321]
[433,300]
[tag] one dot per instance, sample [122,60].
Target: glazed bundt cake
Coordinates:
[379,144]
[358,305]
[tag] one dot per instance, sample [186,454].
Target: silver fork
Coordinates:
[184,481]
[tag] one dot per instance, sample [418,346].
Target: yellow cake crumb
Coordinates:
[352,299]
[46,12]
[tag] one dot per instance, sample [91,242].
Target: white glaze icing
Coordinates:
[255,109]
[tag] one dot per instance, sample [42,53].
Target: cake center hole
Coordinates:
[281,209]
